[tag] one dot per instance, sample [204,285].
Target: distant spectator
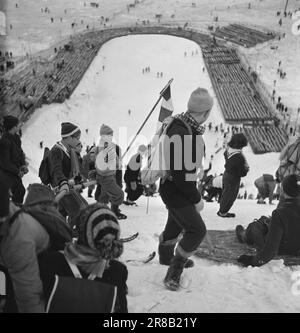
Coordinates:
[236,167]
[265,185]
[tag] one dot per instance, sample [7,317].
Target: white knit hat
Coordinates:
[200,101]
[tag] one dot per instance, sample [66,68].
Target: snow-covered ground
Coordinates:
[33,31]
[104,96]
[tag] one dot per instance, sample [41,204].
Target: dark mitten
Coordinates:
[245,260]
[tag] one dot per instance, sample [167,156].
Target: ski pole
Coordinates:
[147,204]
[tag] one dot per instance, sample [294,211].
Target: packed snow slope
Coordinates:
[104,96]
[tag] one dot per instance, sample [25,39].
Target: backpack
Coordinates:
[45,168]
[290,164]
[58,230]
[74,294]
[156,167]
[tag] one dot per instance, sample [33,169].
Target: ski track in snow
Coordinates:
[207,287]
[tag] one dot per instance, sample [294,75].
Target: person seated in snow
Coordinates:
[265,185]
[289,159]
[94,253]
[107,163]
[29,231]
[179,190]
[282,235]
[64,160]
[132,177]
[236,167]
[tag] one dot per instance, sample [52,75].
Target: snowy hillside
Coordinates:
[105,96]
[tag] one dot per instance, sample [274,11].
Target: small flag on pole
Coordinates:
[166,109]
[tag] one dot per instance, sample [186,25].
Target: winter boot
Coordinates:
[166,253]
[118,213]
[172,278]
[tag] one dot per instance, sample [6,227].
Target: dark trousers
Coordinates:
[231,186]
[17,189]
[119,177]
[256,233]
[189,221]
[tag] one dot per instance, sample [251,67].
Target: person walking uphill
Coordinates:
[106,166]
[235,167]
[12,158]
[179,190]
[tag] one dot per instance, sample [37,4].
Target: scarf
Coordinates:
[73,156]
[86,258]
[188,118]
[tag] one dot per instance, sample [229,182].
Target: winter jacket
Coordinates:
[180,189]
[132,172]
[284,233]
[87,165]
[54,263]
[20,245]
[12,156]
[60,166]
[236,165]
[4,197]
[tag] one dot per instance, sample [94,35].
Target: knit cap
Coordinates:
[99,230]
[106,130]
[200,101]
[291,185]
[68,129]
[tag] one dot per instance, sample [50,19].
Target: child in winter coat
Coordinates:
[236,167]
[282,234]
[107,164]
[94,254]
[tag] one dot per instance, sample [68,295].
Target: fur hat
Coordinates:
[200,101]
[68,129]
[238,141]
[38,193]
[99,229]
[9,122]
[106,130]
[291,185]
